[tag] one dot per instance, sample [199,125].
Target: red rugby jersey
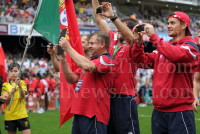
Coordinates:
[27,82]
[41,87]
[48,82]
[33,84]
[52,84]
[124,80]
[174,65]
[93,98]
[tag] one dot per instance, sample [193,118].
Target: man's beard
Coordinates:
[86,50]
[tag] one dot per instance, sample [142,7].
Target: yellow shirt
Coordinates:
[81,10]
[15,112]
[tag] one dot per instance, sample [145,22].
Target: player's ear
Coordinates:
[103,44]
[183,25]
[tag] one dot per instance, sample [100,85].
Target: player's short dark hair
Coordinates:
[131,23]
[12,65]
[33,75]
[45,75]
[102,37]
[38,75]
[26,75]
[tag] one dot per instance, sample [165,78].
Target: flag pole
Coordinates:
[28,42]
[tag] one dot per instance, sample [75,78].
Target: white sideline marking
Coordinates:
[144,115]
[149,116]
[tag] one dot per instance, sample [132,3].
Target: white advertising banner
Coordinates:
[21,30]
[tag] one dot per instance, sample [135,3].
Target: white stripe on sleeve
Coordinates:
[188,48]
[104,63]
[155,51]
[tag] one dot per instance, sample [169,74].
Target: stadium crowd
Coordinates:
[41,79]
[23,12]
[116,109]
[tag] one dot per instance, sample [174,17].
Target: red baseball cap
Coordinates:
[183,17]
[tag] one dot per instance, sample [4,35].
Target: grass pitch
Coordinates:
[48,122]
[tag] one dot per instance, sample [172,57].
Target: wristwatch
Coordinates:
[114,18]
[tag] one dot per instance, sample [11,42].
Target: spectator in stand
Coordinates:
[3,7]
[33,91]
[77,6]
[142,90]
[52,88]
[89,10]
[46,82]
[57,89]
[41,86]
[30,10]
[24,13]
[42,69]
[81,10]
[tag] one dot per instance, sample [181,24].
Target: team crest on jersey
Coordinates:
[78,86]
[122,50]
[26,123]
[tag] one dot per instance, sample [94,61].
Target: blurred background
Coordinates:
[16,17]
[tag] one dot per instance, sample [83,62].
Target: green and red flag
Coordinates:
[2,64]
[54,18]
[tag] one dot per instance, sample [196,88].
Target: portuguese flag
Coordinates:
[58,17]
[2,64]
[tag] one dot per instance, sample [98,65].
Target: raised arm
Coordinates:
[52,52]
[185,53]
[69,75]
[80,60]
[139,57]
[102,24]
[142,59]
[176,54]
[123,29]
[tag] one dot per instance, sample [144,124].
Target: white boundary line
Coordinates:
[149,116]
